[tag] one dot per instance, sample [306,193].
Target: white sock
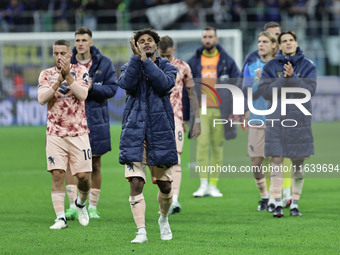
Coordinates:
[204,182]
[265,196]
[141,231]
[73,206]
[286,193]
[294,204]
[92,207]
[163,219]
[175,198]
[61,215]
[278,202]
[271,201]
[79,202]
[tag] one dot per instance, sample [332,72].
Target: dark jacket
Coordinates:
[227,72]
[104,86]
[290,142]
[148,114]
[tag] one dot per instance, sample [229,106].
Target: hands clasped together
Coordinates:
[137,51]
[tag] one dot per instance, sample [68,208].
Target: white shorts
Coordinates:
[74,150]
[256,141]
[138,169]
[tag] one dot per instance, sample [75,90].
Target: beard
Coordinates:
[149,54]
[209,48]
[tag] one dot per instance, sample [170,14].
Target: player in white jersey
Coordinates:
[64,88]
[166,50]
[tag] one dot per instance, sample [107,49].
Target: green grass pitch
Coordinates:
[228,225]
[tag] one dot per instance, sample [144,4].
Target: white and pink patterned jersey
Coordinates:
[183,78]
[66,114]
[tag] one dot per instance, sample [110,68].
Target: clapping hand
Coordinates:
[65,66]
[134,49]
[142,52]
[289,70]
[137,51]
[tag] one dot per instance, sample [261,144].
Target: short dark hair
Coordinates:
[83,30]
[292,33]
[270,24]
[148,31]
[165,43]
[62,42]
[210,28]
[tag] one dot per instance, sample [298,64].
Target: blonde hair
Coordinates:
[272,38]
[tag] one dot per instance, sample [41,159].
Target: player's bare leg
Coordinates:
[165,200]
[297,184]
[137,203]
[276,186]
[261,184]
[58,197]
[95,189]
[84,184]
[71,189]
[176,184]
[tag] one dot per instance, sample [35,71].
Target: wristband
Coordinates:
[197,120]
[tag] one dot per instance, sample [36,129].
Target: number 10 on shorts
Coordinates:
[87,154]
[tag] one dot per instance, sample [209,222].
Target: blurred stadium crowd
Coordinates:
[310,19]
[316,22]
[66,15]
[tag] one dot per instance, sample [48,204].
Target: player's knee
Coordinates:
[297,162]
[164,186]
[256,161]
[83,177]
[277,160]
[58,176]
[136,185]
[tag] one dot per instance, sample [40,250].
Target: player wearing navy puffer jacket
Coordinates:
[289,69]
[103,85]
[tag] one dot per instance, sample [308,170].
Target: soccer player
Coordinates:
[254,56]
[64,88]
[211,62]
[166,50]
[267,49]
[289,68]
[148,136]
[103,85]
[251,58]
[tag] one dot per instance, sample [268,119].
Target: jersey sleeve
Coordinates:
[43,80]
[83,78]
[188,81]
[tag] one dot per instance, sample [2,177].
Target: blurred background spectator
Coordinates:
[8,83]
[316,22]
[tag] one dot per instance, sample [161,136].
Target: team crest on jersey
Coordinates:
[86,77]
[279,74]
